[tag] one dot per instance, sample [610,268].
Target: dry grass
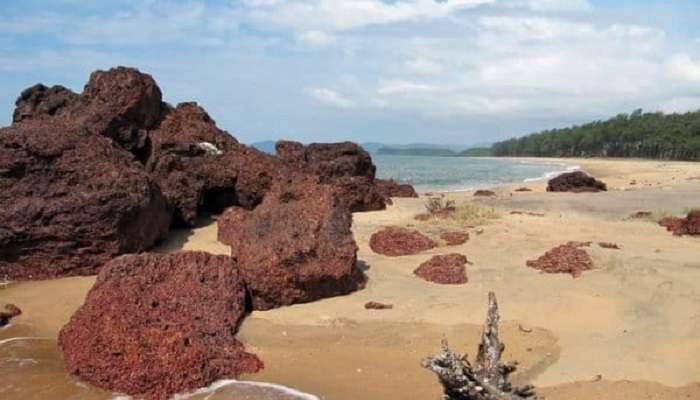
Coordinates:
[475,214]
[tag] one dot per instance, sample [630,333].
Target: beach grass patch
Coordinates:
[476,214]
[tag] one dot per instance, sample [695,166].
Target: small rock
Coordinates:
[373,305]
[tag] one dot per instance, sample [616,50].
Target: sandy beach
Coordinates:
[629,329]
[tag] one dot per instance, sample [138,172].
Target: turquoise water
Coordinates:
[428,174]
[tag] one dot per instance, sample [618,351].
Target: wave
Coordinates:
[214,387]
[553,174]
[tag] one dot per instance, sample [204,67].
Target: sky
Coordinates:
[392,71]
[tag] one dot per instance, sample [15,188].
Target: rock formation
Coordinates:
[345,165]
[609,245]
[690,225]
[156,325]
[70,201]
[42,102]
[568,258]
[296,246]
[388,188]
[10,311]
[200,167]
[484,193]
[455,238]
[448,269]
[488,377]
[575,182]
[395,241]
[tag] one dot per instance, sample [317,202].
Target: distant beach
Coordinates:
[454,174]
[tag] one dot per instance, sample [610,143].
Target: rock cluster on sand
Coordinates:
[455,238]
[568,258]
[7,313]
[86,177]
[296,246]
[447,269]
[575,182]
[609,245]
[155,325]
[396,241]
[690,225]
[484,193]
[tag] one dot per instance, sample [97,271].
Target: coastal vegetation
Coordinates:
[645,135]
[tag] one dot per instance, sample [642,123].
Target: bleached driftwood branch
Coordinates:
[488,378]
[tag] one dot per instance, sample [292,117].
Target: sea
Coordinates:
[447,174]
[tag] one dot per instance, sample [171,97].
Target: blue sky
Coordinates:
[401,71]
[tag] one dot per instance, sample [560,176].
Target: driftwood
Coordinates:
[487,379]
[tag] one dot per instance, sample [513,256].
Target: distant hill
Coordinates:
[477,152]
[646,135]
[416,151]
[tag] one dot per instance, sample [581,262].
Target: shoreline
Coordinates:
[629,328]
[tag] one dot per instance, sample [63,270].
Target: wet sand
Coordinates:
[630,329]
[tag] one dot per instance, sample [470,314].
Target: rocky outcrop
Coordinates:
[42,102]
[568,259]
[447,269]
[156,325]
[484,193]
[388,188]
[10,311]
[70,201]
[296,246]
[575,182]
[455,238]
[202,168]
[690,225]
[395,241]
[609,245]
[345,165]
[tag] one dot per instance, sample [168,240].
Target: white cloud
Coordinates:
[338,15]
[423,66]
[682,67]
[330,97]
[556,5]
[316,38]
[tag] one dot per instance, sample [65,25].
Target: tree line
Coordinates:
[646,135]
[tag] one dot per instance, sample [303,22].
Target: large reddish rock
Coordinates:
[156,325]
[345,165]
[690,225]
[296,246]
[568,259]
[576,182]
[70,201]
[447,269]
[389,188]
[201,167]
[396,241]
[120,103]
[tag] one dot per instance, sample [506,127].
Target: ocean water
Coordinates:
[428,174]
